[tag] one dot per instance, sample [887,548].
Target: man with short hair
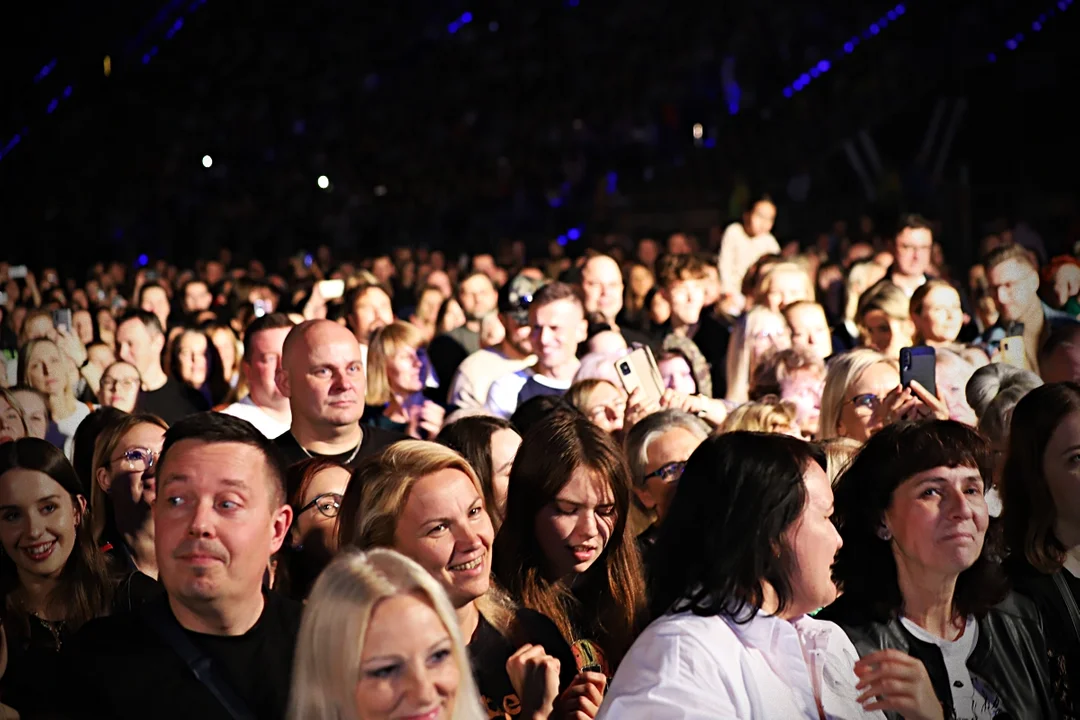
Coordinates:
[557,319]
[602,287]
[1013,277]
[140,339]
[219,516]
[472,381]
[368,308]
[196,297]
[1059,358]
[264,406]
[911,249]
[322,375]
[478,298]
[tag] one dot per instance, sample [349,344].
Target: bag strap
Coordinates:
[159,618]
[1070,601]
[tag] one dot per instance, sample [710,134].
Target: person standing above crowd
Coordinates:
[743,244]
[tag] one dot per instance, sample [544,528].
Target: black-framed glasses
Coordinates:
[327,504]
[138,459]
[670,471]
[866,401]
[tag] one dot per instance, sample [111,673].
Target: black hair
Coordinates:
[723,537]
[149,319]
[865,568]
[212,427]
[83,446]
[912,221]
[535,409]
[471,436]
[270,321]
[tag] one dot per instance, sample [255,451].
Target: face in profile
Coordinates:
[407,666]
[445,527]
[573,529]
[814,541]
[863,396]
[38,523]
[504,447]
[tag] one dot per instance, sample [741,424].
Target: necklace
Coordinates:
[54,628]
[351,457]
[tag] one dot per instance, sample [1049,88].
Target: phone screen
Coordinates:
[919,364]
[62,319]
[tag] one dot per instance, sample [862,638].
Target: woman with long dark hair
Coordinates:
[920,575]
[490,444]
[1041,519]
[565,549]
[53,578]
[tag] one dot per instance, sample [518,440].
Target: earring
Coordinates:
[884,534]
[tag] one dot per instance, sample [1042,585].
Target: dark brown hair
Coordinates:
[471,436]
[1029,511]
[1009,251]
[677,268]
[865,567]
[84,590]
[610,597]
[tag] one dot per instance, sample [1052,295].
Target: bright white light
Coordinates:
[380,190]
[207,161]
[698,131]
[324,182]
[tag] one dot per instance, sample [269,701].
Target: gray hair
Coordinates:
[642,435]
[995,379]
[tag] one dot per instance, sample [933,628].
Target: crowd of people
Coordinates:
[406,487]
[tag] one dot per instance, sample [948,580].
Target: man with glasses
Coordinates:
[657,449]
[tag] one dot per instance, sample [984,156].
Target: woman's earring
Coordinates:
[884,534]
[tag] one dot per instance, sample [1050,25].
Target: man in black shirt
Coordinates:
[139,341]
[220,514]
[322,374]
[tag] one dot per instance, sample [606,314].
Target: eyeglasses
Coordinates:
[669,472]
[866,401]
[110,384]
[138,459]
[327,504]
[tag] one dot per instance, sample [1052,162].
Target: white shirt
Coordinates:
[738,252]
[473,379]
[686,667]
[503,394]
[972,699]
[246,409]
[69,425]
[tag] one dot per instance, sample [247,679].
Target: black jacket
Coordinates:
[1009,656]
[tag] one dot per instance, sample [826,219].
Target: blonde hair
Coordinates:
[335,623]
[857,282]
[579,393]
[843,371]
[107,442]
[839,452]
[770,415]
[385,342]
[764,285]
[886,297]
[377,494]
[740,364]
[9,397]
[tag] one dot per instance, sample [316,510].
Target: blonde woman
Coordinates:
[395,383]
[884,318]
[783,284]
[839,452]
[768,415]
[602,401]
[425,501]
[44,366]
[379,640]
[758,333]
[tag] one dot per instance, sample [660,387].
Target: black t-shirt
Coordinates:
[172,401]
[374,440]
[119,667]
[489,650]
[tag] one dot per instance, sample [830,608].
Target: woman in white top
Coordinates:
[743,244]
[749,542]
[44,366]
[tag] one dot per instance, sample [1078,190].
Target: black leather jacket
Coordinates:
[1009,656]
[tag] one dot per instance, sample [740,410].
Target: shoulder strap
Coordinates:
[157,616]
[1070,601]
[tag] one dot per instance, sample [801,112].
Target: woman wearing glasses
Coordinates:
[125,456]
[863,394]
[120,386]
[314,488]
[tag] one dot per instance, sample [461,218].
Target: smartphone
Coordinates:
[331,289]
[17,272]
[62,319]
[918,363]
[639,370]
[1013,351]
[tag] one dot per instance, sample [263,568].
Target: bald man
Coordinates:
[322,375]
[602,286]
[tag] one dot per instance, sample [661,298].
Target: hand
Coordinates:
[534,676]
[673,399]
[582,700]
[70,344]
[315,307]
[431,418]
[932,405]
[637,409]
[893,681]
